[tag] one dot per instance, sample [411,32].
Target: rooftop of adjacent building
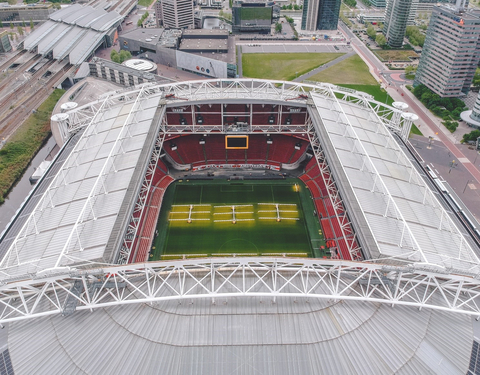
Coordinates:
[199,33]
[459,16]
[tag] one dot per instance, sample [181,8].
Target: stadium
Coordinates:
[238,227]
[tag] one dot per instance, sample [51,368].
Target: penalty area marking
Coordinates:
[190,212]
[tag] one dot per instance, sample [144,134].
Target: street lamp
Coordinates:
[465,188]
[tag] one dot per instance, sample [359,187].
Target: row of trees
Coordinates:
[120,57]
[292,7]
[415,36]
[142,18]
[378,38]
[32,26]
[350,3]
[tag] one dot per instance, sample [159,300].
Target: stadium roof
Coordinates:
[237,315]
[245,336]
[73,222]
[396,215]
[406,220]
[75,31]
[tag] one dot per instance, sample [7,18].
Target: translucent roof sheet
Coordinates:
[66,12]
[106,21]
[75,29]
[76,16]
[35,37]
[49,41]
[403,214]
[73,221]
[85,46]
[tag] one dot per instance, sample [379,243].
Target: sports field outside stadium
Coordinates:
[220,217]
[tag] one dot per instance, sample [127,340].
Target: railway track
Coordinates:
[124,10]
[12,98]
[10,61]
[20,70]
[31,101]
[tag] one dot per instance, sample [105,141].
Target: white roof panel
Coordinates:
[75,217]
[399,207]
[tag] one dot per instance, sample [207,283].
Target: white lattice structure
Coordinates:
[67,251]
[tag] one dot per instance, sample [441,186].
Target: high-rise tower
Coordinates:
[397,15]
[451,51]
[320,14]
[175,14]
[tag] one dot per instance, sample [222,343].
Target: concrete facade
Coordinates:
[35,12]
[451,51]
[118,73]
[175,14]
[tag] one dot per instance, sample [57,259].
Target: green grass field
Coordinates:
[212,206]
[353,73]
[395,55]
[349,71]
[283,66]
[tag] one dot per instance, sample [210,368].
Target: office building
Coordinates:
[320,14]
[398,14]
[5,45]
[174,14]
[451,51]
[252,17]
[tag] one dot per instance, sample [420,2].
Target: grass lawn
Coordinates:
[393,55]
[349,71]
[208,204]
[145,3]
[283,66]
[24,144]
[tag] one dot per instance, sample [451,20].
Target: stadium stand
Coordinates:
[336,238]
[148,221]
[189,151]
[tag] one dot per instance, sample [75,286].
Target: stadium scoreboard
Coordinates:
[236,142]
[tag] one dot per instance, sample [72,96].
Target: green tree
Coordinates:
[114,56]
[278,27]
[20,30]
[472,136]
[32,26]
[23,23]
[11,25]
[381,40]
[124,55]
[371,32]
[1,23]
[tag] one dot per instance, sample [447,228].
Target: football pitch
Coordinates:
[220,217]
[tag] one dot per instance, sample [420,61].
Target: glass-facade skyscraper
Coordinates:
[320,14]
[397,15]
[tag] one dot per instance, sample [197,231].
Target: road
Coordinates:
[396,88]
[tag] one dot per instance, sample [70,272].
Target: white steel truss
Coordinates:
[141,202]
[340,212]
[233,91]
[407,240]
[237,277]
